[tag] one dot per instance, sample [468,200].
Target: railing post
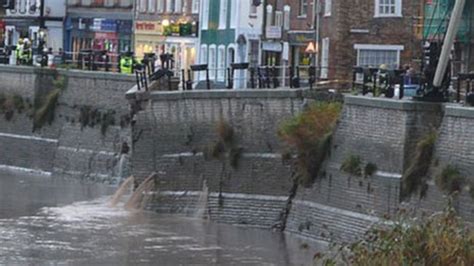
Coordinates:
[252,77]
[183,72]
[207,79]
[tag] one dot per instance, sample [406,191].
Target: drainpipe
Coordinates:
[317,7]
[453,27]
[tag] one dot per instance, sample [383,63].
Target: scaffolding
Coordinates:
[436,19]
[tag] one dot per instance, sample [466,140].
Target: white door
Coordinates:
[325,58]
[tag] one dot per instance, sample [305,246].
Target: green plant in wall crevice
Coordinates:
[45,107]
[352,165]
[415,176]
[225,147]
[309,135]
[450,180]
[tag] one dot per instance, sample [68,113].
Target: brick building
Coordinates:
[289,27]
[164,26]
[368,33]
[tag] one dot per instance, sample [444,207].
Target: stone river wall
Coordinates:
[65,147]
[174,131]
[177,136]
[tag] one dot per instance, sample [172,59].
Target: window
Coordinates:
[234,12]
[269,15]
[195,8]
[221,63]
[161,6]
[212,62]
[325,58]
[303,8]
[178,5]
[142,4]
[253,9]
[327,7]
[205,14]
[203,55]
[223,14]
[388,8]
[286,17]
[377,55]
[278,18]
[169,6]
[151,6]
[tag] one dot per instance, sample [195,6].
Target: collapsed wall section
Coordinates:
[176,136]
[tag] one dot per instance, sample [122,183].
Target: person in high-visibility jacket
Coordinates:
[26,54]
[19,51]
[126,64]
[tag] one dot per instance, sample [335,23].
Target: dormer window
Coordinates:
[388,8]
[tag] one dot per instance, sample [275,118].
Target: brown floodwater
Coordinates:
[54,221]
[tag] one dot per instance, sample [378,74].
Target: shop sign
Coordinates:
[148,27]
[273,32]
[180,29]
[105,35]
[301,38]
[271,46]
[100,24]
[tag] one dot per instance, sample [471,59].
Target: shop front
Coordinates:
[159,37]
[299,55]
[98,34]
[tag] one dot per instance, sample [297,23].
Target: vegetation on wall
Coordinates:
[440,239]
[45,107]
[309,135]
[225,147]
[352,165]
[415,177]
[90,117]
[449,180]
[370,169]
[9,103]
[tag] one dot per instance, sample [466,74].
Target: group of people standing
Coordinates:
[24,52]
